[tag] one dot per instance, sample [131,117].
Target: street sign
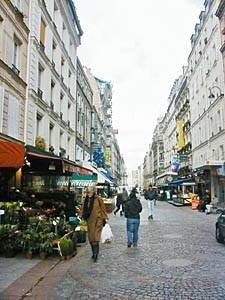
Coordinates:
[2,212]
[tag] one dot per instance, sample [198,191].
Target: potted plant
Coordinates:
[8,239]
[40,143]
[45,244]
[82,232]
[66,247]
[29,242]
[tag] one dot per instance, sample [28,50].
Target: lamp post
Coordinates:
[212,95]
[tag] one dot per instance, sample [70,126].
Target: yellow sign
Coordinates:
[107,156]
[180,126]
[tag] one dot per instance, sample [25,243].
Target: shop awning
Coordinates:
[42,161]
[180,181]
[11,154]
[33,151]
[72,167]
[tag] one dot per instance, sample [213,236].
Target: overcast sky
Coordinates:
[140,46]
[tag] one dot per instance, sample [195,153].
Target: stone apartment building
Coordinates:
[14,32]
[51,111]
[83,115]
[206,88]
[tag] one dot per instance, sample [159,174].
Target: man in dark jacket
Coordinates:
[150,195]
[132,208]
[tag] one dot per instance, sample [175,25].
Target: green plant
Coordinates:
[66,247]
[45,242]
[8,239]
[29,240]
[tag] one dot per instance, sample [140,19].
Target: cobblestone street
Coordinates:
[177,258]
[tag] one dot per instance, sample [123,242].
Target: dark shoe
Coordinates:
[149,217]
[92,248]
[135,245]
[96,251]
[121,214]
[129,245]
[152,217]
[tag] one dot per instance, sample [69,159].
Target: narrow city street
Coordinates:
[177,258]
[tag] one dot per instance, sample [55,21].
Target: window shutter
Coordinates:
[13,117]
[1,106]
[42,32]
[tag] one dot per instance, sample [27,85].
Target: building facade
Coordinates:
[14,32]
[158,150]
[51,109]
[183,120]
[206,87]
[148,168]
[83,115]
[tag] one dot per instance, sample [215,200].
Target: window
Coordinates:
[222,156]
[54,45]
[42,33]
[51,127]
[15,61]
[13,116]
[1,105]
[219,120]
[40,76]
[62,66]
[38,124]
[52,91]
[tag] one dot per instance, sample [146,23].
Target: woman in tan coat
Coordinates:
[95,214]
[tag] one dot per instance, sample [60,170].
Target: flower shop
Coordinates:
[40,216]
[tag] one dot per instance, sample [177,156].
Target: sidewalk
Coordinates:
[177,258]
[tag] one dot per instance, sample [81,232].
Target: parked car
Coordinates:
[220,227]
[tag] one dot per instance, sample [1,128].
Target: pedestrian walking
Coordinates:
[119,204]
[132,208]
[93,211]
[150,195]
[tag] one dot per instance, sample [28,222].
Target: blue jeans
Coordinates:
[132,230]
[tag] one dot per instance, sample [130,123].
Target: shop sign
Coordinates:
[107,156]
[175,163]
[2,212]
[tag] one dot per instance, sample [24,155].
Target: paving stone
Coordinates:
[177,258]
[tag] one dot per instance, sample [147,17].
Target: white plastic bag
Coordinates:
[106,235]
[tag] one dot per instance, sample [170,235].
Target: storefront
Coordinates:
[51,178]
[11,161]
[211,177]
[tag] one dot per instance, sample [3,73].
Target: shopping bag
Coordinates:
[106,235]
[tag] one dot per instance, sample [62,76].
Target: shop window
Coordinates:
[13,116]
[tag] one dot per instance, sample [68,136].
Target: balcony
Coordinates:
[40,93]
[15,70]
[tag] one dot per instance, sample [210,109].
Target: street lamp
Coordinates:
[219,95]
